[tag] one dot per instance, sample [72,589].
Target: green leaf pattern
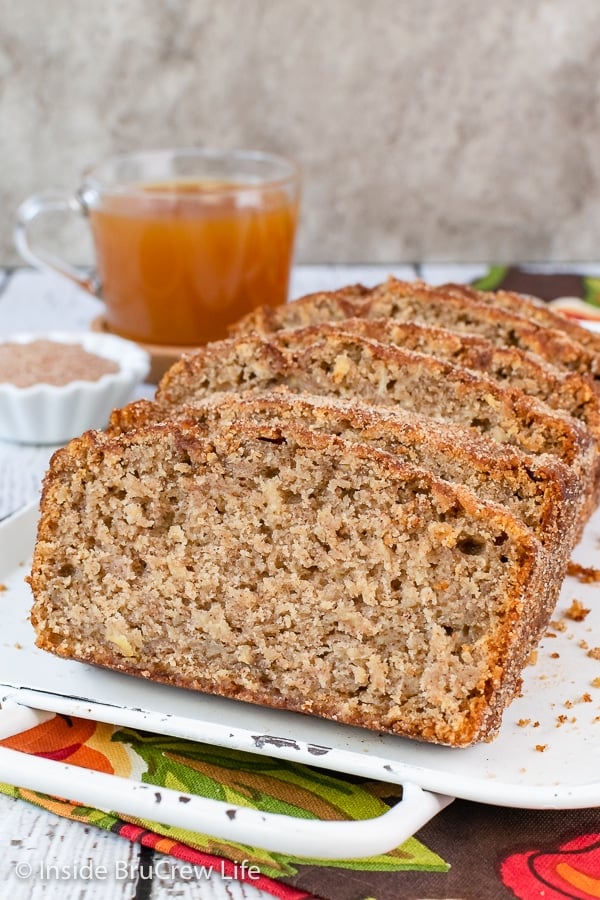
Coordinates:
[279,786]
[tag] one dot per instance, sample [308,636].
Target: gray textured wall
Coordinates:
[439,129]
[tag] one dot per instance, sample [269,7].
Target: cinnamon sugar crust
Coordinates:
[561,389]
[534,309]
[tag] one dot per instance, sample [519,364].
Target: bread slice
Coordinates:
[463,312]
[534,309]
[541,491]
[351,366]
[560,389]
[321,306]
[282,566]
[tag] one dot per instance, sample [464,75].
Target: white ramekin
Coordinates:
[53,414]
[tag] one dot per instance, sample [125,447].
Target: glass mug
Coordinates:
[186,241]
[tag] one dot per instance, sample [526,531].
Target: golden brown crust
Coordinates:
[353,366]
[509,366]
[262,364]
[323,306]
[467,311]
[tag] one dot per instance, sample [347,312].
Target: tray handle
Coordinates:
[272,831]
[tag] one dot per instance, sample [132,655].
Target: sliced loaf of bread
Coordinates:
[534,309]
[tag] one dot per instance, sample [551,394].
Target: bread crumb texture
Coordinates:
[302,571]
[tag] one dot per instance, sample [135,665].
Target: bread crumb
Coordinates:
[3,587]
[577,611]
[585,698]
[523,722]
[594,652]
[557,625]
[555,656]
[596,683]
[550,634]
[536,725]
[560,720]
[18,646]
[541,747]
[585,574]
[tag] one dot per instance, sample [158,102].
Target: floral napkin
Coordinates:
[469,851]
[233,776]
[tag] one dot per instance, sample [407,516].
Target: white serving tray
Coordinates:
[550,763]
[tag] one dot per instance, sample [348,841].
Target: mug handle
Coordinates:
[30,210]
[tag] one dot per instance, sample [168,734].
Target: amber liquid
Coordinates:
[181,261]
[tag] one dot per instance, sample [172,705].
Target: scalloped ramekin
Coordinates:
[53,414]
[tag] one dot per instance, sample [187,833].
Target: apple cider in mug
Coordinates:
[179,261]
[186,241]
